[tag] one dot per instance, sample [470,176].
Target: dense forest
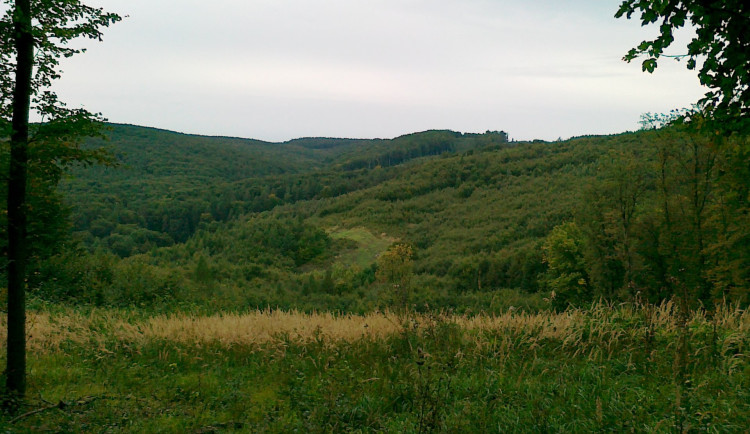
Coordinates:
[225,223]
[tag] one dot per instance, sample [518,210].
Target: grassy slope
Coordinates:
[367,246]
[606,369]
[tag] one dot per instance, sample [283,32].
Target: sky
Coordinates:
[282,69]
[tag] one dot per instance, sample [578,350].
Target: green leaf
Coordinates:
[648,17]
[678,20]
[649,65]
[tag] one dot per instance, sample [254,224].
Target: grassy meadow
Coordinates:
[608,368]
[367,246]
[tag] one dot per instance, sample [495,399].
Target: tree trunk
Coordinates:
[19,143]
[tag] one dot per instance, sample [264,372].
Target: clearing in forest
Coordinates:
[369,246]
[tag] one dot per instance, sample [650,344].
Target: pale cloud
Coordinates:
[279,69]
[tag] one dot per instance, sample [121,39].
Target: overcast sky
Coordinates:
[282,69]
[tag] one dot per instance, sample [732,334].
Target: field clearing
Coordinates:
[47,331]
[616,368]
[369,246]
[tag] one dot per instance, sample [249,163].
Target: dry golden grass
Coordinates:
[48,331]
[603,324]
[263,326]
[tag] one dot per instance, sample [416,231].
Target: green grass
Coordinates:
[369,246]
[590,371]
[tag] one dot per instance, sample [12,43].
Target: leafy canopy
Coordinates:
[566,274]
[54,142]
[55,24]
[722,42]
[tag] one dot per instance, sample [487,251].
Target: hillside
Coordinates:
[235,223]
[313,213]
[166,182]
[350,283]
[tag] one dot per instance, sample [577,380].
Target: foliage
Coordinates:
[395,268]
[476,220]
[48,225]
[34,36]
[566,273]
[660,218]
[56,23]
[54,143]
[184,181]
[721,42]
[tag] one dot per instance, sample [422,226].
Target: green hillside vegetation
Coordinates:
[455,291]
[365,246]
[439,281]
[167,183]
[491,222]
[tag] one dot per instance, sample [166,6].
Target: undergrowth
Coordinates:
[608,368]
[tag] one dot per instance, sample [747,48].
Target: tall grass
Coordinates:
[607,368]
[603,327]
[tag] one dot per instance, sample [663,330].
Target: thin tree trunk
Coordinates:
[19,141]
[671,247]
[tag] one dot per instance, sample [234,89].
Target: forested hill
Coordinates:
[245,223]
[147,151]
[455,196]
[166,182]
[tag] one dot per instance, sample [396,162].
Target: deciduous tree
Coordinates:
[566,275]
[34,37]
[395,267]
[720,49]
